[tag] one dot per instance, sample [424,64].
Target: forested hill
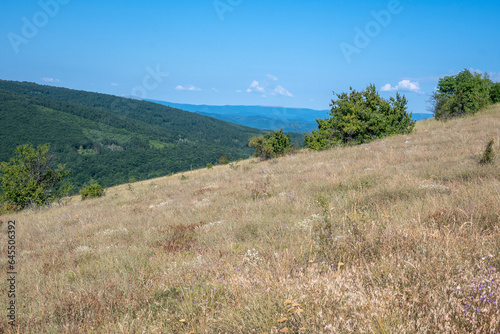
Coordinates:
[113,139]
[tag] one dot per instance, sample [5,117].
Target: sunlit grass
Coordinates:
[390,237]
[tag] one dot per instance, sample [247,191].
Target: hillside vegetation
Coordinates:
[269,118]
[400,235]
[113,139]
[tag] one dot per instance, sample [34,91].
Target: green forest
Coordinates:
[110,139]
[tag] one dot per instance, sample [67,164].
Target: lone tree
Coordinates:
[359,117]
[461,95]
[271,145]
[30,179]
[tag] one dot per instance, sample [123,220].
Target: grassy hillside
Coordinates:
[397,236]
[113,139]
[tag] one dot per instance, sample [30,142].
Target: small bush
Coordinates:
[271,145]
[31,179]
[223,160]
[92,191]
[209,166]
[489,153]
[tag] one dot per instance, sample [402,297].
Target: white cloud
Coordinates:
[238,91]
[215,89]
[403,85]
[114,84]
[271,77]
[280,90]
[50,80]
[255,87]
[188,87]
[495,77]
[268,87]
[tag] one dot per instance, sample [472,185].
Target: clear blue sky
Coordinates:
[247,52]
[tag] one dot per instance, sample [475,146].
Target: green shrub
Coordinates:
[489,153]
[271,145]
[29,178]
[92,191]
[359,117]
[7,207]
[209,166]
[495,92]
[223,160]
[461,95]
[130,181]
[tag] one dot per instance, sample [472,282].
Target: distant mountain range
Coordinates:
[266,118]
[113,139]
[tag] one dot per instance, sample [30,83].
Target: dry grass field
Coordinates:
[401,235]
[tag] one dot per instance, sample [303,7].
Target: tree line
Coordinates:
[32,177]
[359,117]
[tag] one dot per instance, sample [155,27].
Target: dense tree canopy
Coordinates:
[495,92]
[271,145]
[462,94]
[113,139]
[359,117]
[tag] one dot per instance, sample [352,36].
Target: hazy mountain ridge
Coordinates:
[262,117]
[113,139]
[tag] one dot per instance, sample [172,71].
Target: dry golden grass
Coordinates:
[391,237]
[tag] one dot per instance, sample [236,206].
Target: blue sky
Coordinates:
[248,52]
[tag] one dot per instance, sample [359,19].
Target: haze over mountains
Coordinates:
[112,139]
[266,117]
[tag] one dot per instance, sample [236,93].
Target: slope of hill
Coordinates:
[271,118]
[395,236]
[113,139]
